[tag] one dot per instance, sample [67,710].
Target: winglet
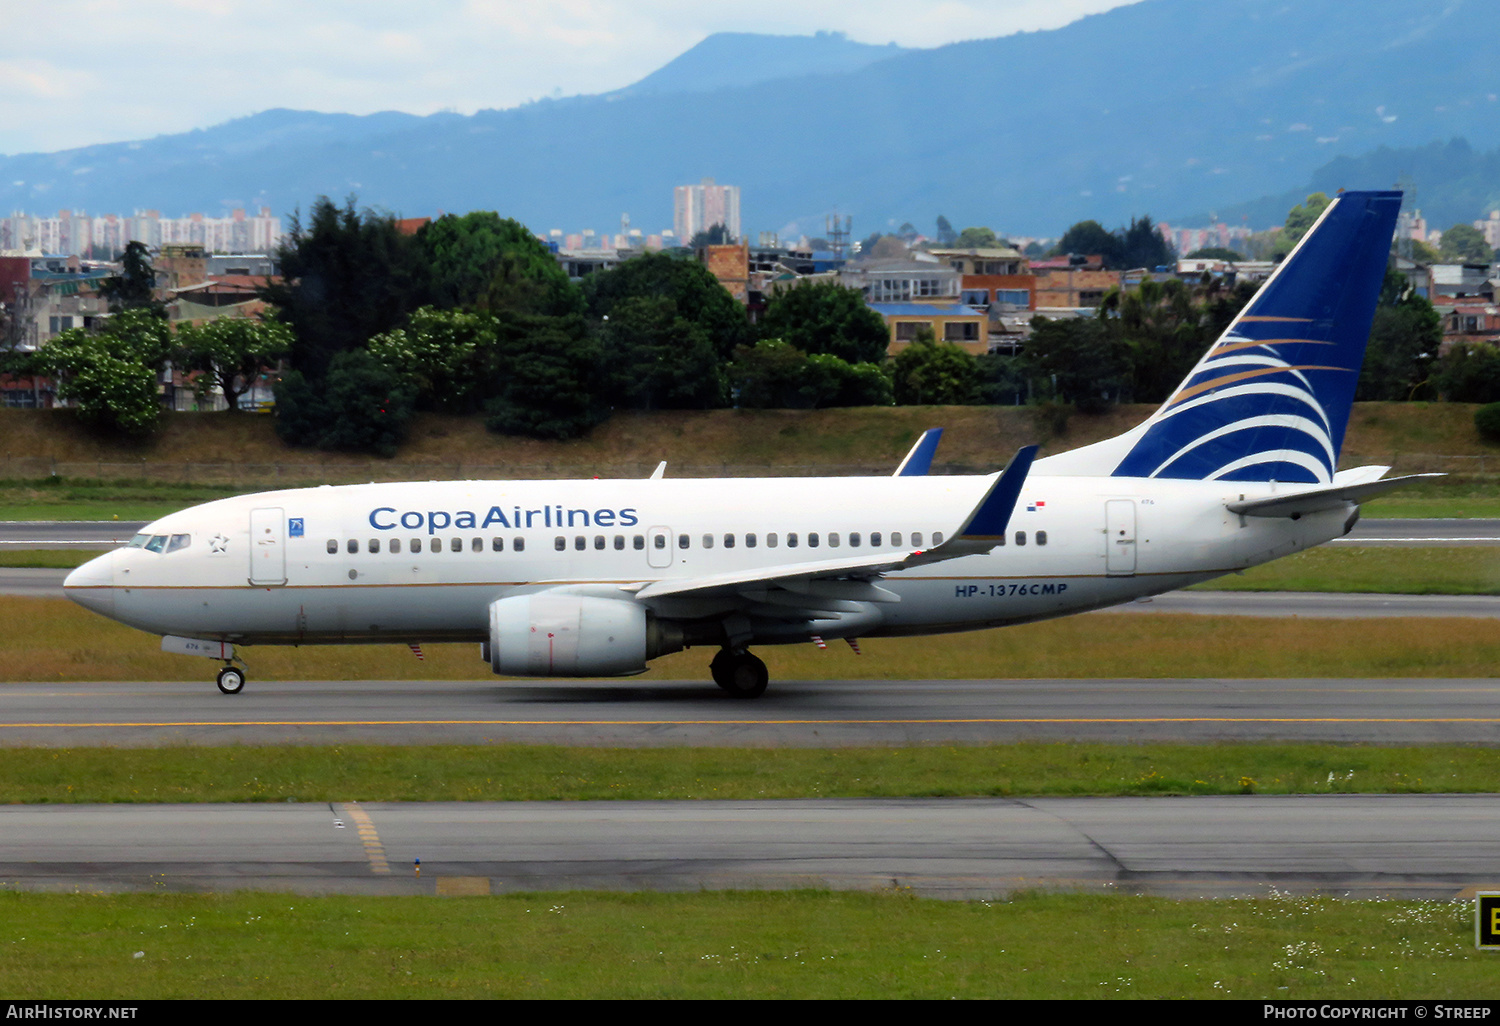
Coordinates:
[919,461]
[992,515]
[661,469]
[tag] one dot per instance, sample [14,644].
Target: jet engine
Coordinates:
[561,635]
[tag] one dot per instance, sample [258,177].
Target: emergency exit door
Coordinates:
[268,546]
[1119,537]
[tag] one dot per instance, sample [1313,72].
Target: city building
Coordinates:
[697,208]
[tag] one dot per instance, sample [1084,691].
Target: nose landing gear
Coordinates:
[231,680]
[739,673]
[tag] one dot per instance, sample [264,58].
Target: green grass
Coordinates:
[46,559]
[82,646]
[83,499]
[805,944]
[382,773]
[1427,570]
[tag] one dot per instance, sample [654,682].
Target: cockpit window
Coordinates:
[179,541]
[156,543]
[139,541]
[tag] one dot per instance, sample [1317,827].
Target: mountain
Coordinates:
[728,60]
[1164,107]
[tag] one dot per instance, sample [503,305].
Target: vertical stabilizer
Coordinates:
[1270,399]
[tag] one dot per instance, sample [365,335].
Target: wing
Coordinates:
[834,589]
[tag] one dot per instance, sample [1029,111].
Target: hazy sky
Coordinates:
[76,72]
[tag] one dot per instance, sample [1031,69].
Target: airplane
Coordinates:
[595,578]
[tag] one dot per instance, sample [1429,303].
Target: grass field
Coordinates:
[735,944]
[399,773]
[82,646]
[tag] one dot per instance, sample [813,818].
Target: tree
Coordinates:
[347,276]
[695,295]
[1404,340]
[362,406]
[932,373]
[979,238]
[658,359]
[1089,238]
[481,260]
[134,288]
[775,375]
[946,236]
[1469,372]
[1463,243]
[1079,362]
[825,317]
[232,351]
[1142,245]
[1163,329]
[445,354]
[713,235]
[1298,221]
[553,382]
[110,376]
[1215,253]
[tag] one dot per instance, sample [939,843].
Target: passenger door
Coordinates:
[268,546]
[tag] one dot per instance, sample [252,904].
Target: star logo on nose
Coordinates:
[218,543]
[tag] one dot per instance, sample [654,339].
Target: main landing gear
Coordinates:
[739,673]
[231,680]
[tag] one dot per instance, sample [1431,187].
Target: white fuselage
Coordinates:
[424,561]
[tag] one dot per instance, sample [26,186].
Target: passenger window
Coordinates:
[374,544]
[395,546]
[896,538]
[749,541]
[560,544]
[519,545]
[477,545]
[416,545]
[497,544]
[580,542]
[598,541]
[619,541]
[333,546]
[937,537]
[833,539]
[791,539]
[812,539]
[875,539]
[682,542]
[661,541]
[1041,537]
[854,539]
[179,541]
[708,541]
[455,544]
[639,541]
[352,545]
[771,540]
[1020,537]
[916,539]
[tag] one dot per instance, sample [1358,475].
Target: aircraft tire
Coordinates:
[231,680]
[743,675]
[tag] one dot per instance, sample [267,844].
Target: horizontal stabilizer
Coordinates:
[1317,500]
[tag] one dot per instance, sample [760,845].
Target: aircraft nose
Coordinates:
[92,585]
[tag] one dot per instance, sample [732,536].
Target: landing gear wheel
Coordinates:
[231,680]
[739,673]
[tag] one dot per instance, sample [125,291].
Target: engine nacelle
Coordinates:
[552,635]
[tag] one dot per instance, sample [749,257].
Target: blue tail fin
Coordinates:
[1270,400]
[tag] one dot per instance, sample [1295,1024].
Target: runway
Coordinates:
[792,714]
[1430,846]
